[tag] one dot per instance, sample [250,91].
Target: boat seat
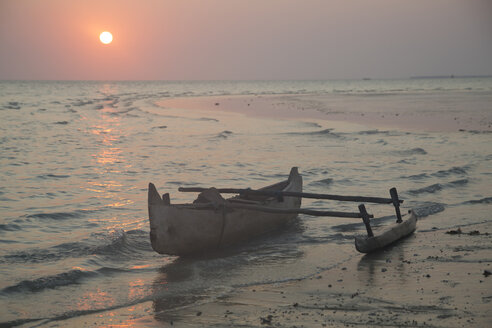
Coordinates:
[245,201]
[209,196]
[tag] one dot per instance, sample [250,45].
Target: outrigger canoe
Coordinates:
[212,222]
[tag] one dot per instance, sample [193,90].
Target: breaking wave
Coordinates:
[486,200]
[322,183]
[10,227]
[452,171]
[328,133]
[224,134]
[429,189]
[59,215]
[12,105]
[438,187]
[53,176]
[426,209]
[116,246]
[49,282]
[413,151]
[458,183]
[416,176]
[71,277]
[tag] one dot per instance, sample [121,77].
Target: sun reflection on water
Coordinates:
[136,289]
[125,222]
[95,300]
[107,158]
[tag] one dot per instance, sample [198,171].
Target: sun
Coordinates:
[106,37]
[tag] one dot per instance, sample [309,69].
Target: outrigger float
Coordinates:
[212,221]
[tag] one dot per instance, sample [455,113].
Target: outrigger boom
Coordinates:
[363,244]
[279,194]
[362,199]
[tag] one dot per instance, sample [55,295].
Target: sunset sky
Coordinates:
[243,40]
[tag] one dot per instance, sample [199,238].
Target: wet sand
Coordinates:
[430,279]
[433,278]
[448,114]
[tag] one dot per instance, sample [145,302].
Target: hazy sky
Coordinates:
[244,39]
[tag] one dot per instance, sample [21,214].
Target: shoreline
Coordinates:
[413,283]
[430,279]
[374,112]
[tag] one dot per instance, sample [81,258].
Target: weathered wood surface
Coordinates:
[186,229]
[386,235]
[360,199]
[212,221]
[230,204]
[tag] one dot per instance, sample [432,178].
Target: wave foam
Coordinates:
[452,171]
[58,215]
[49,282]
[438,187]
[427,209]
[409,152]
[486,200]
[114,247]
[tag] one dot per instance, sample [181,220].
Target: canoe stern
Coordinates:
[177,230]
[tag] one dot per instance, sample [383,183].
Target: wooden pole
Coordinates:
[396,203]
[365,217]
[378,200]
[275,210]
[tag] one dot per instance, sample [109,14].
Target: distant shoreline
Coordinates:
[451,76]
[377,111]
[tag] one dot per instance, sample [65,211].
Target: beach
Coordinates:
[97,267]
[378,111]
[434,278]
[431,279]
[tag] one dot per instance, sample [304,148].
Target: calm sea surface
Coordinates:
[76,158]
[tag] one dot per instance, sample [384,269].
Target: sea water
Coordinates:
[76,159]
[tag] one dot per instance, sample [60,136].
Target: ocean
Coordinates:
[76,159]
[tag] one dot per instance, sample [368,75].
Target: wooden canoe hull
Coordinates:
[387,235]
[186,229]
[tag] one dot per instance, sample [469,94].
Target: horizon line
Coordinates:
[416,77]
